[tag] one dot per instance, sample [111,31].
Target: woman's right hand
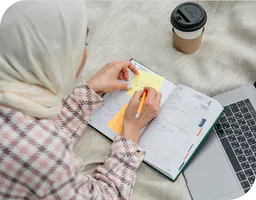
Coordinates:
[132,125]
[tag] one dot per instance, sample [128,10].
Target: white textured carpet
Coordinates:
[141,29]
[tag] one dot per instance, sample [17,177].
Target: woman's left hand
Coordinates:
[108,78]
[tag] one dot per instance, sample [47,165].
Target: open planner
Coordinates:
[171,139]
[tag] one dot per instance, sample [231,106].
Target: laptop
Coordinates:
[225,166]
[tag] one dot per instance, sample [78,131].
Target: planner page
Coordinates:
[108,119]
[184,120]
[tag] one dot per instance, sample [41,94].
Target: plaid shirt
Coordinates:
[37,159]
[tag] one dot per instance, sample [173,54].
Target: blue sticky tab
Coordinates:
[202,123]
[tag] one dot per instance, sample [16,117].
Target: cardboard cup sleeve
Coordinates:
[186,46]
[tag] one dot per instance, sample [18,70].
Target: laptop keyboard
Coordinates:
[236,129]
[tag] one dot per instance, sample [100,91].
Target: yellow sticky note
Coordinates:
[145,79]
[116,123]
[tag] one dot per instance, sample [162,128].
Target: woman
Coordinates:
[41,54]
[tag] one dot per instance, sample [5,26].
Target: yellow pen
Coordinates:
[142,100]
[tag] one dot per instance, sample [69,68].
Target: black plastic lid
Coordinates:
[188,17]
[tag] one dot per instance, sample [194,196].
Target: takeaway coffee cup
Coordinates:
[188,21]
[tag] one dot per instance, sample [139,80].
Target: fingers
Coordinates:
[133,68]
[125,74]
[120,76]
[127,64]
[158,98]
[151,95]
[138,94]
[136,97]
[122,86]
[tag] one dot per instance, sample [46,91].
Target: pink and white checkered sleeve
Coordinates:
[37,162]
[114,180]
[118,173]
[76,111]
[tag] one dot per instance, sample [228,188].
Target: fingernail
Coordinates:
[129,86]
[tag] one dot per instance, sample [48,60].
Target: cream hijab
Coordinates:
[41,49]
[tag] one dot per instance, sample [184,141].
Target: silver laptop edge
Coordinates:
[210,175]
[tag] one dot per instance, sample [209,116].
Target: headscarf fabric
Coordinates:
[41,50]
